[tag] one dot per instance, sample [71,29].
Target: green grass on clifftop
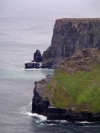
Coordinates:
[79,91]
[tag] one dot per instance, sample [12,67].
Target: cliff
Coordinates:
[73,92]
[39,102]
[71,35]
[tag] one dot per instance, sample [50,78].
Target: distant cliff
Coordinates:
[71,35]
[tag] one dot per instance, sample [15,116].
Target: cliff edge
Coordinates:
[71,35]
[73,92]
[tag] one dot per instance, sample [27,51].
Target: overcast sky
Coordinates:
[24,20]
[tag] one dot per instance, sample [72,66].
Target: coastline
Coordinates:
[74,48]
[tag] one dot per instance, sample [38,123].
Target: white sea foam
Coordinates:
[31,69]
[38,69]
[52,124]
[41,117]
[83,122]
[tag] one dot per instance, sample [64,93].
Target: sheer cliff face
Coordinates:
[72,35]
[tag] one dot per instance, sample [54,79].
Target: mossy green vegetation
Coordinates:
[79,91]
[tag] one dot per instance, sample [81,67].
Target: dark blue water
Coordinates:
[25,26]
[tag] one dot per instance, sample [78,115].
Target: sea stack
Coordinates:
[37,56]
[35,63]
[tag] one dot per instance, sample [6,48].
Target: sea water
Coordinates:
[25,26]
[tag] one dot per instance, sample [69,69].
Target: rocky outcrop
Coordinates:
[37,65]
[71,35]
[47,65]
[39,103]
[37,56]
[37,62]
[69,115]
[30,65]
[81,61]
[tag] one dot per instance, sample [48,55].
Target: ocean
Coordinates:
[25,26]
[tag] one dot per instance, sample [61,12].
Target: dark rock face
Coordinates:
[36,65]
[69,115]
[47,65]
[72,35]
[39,103]
[56,114]
[37,56]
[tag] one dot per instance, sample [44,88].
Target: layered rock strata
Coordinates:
[71,35]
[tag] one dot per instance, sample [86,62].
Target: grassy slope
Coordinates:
[79,91]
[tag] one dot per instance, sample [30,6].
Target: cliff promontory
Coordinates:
[71,35]
[73,92]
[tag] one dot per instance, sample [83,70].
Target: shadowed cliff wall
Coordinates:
[71,35]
